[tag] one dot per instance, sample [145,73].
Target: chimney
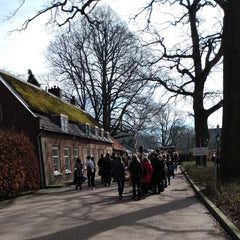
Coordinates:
[73,101]
[56,91]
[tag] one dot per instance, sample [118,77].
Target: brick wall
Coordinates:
[61,141]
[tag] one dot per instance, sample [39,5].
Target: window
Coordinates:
[64,123]
[107,134]
[97,154]
[91,152]
[85,154]
[67,160]
[100,152]
[87,129]
[75,154]
[96,131]
[1,115]
[101,132]
[55,156]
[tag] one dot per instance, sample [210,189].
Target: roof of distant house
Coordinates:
[117,145]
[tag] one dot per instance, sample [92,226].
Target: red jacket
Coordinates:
[147,177]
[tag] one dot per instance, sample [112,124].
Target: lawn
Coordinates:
[225,195]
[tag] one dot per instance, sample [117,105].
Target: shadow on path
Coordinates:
[129,219]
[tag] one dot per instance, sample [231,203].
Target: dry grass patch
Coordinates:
[225,195]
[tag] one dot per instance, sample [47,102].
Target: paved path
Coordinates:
[64,214]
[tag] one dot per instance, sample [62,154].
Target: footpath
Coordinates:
[64,213]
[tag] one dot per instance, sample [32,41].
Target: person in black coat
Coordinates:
[136,173]
[107,170]
[78,174]
[119,175]
[101,167]
[157,176]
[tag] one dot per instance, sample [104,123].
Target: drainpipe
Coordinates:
[41,164]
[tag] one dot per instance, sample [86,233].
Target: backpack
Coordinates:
[89,168]
[78,172]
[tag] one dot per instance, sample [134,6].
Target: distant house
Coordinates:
[117,147]
[59,131]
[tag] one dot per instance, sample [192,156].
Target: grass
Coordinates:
[225,195]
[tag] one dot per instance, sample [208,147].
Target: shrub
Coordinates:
[19,169]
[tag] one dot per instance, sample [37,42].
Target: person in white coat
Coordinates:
[90,166]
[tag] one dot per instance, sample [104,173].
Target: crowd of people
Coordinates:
[147,173]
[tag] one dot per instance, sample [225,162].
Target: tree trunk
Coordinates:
[230,162]
[201,127]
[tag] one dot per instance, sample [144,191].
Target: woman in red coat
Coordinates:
[147,174]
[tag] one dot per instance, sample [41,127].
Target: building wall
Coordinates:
[61,141]
[16,116]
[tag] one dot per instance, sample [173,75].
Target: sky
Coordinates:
[20,51]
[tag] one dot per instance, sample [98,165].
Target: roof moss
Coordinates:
[40,101]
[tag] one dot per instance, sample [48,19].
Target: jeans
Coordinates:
[91,179]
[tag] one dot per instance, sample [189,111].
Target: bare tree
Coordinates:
[194,63]
[147,141]
[230,49]
[103,63]
[186,140]
[231,116]
[190,62]
[61,12]
[166,125]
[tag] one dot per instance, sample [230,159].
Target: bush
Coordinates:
[19,169]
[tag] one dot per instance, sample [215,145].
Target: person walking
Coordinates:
[79,178]
[176,160]
[136,173]
[90,173]
[147,174]
[94,175]
[168,162]
[118,171]
[108,163]
[157,176]
[101,167]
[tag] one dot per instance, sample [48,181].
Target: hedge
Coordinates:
[19,171]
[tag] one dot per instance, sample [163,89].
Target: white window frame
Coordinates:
[56,161]
[67,160]
[97,154]
[100,152]
[101,132]
[75,154]
[85,154]
[92,152]
[96,131]
[87,129]
[64,123]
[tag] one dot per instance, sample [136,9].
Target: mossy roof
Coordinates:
[40,101]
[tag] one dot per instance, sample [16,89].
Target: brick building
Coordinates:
[59,131]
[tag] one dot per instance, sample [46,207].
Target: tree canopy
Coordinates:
[104,64]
